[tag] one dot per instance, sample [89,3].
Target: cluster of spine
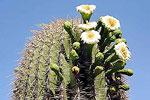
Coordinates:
[74,60]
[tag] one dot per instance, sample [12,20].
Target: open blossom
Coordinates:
[88,9]
[111,22]
[88,26]
[122,51]
[90,37]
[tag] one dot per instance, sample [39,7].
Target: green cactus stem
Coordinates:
[116,65]
[64,62]
[99,24]
[111,58]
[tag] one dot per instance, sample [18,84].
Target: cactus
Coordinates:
[74,59]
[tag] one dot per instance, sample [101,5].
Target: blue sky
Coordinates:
[18,17]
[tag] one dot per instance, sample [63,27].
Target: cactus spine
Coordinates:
[74,60]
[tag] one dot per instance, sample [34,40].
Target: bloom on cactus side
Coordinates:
[122,51]
[111,22]
[88,26]
[86,11]
[90,37]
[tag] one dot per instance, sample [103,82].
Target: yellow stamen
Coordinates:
[86,7]
[124,51]
[112,22]
[90,35]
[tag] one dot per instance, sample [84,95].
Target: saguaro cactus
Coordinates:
[74,59]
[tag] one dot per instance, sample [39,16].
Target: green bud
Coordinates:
[76,45]
[128,72]
[68,28]
[98,70]
[120,40]
[16,69]
[124,87]
[99,57]
[74,55]
[56,69]
[67,25]
[112,89]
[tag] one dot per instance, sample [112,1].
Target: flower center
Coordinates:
[124,51]
[90,35]
[112,22]
[86,7]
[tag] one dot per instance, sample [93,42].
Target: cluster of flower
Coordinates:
[90,36]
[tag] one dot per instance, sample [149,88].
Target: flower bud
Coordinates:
[75,70]
[56,69]
[128,72]
[74,55]
[120,40]
[68,28]
[76,45]
[124,87]
[112,89]
[99,57]
[98,70]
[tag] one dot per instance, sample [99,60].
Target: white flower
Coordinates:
[122,51]
[88,9]
[90,37]
[88,26]
[111,22]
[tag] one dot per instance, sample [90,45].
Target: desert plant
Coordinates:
[74,59]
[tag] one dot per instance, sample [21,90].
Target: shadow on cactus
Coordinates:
[74,59]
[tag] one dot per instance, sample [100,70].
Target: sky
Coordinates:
[19,17]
